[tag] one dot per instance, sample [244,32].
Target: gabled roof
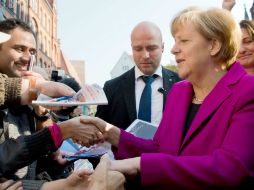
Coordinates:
[123,64]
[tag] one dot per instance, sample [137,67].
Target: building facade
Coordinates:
[79,66]
[124,64]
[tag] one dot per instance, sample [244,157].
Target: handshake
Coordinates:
[87,131]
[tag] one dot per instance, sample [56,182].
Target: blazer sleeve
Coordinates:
[130,146]
[226,167]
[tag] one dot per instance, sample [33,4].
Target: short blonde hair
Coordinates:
[213,24]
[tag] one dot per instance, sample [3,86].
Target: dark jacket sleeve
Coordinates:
[32,184]
[20,152]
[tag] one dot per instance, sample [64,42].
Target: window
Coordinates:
[41,62]
[125,68]
[48,25]
[33,4]
[40,42]
[41,15]
[33,26]
[22,15]
[49,48]
[9,4]
[45,21]
[18,10]
[45,45]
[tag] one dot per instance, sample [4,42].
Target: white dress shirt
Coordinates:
[157,97]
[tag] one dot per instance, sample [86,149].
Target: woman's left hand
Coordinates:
[129,167]
[103,178]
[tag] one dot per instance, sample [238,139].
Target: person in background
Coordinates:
[101,179]
[47,165]
[27,147]
[15,55]
[22,91]
[124,93]
[205,138]
[246,52]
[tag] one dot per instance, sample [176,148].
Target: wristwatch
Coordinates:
[58,118]
[44,117]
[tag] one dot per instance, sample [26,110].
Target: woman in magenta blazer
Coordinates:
[206,136]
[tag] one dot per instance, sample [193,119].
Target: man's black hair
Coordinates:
[10,24]
[71,82]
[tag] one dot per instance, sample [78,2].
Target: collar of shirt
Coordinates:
[138,73]
[157,97]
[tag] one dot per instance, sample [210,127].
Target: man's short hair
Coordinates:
[10,24]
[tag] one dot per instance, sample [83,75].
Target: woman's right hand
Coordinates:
[110,132]
[84,134]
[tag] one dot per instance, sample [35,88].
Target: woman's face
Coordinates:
[246,53]
[192,52]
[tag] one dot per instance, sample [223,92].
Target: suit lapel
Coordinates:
[129,94]
[213,101]
[167,83]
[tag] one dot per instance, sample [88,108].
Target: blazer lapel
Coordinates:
[129,94]
[212,102]
[184,94]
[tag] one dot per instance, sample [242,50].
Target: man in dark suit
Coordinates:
[124,92]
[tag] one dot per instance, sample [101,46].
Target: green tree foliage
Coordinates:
[172,67]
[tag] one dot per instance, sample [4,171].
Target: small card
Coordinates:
[88,95]
[142,129]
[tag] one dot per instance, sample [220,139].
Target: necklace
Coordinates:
[197,100]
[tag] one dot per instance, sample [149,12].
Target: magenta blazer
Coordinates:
[218,149]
